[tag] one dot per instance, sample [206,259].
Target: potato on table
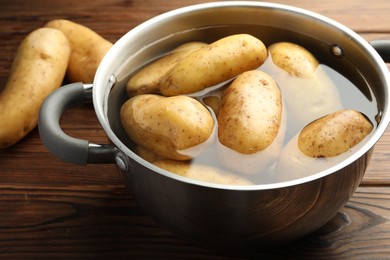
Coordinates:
[87,49]
[202,172]
[213,64]
[37,70]
[172,127]
[147,80]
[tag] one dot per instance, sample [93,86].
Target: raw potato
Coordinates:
[37,69]
[252,164]
[293,164]
[293,59]
[346,125]
[334,134]
[201,172]
[174,128]
[250,114]
[87,49]
[147,80]
[308,92]
[216,63]
[146,154]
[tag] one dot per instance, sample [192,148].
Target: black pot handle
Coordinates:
[65,147]
[383,48]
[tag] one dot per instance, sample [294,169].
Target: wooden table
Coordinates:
[49,208]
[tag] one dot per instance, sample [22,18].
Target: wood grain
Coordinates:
[52,209]
[94,221]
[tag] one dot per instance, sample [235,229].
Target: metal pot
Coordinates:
[221,216]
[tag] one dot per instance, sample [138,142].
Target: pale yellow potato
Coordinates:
[308,92]
[172,127]
[147,80]
[259,163]
[87,49]
[250,114]
[202,172]
[334,134]
[146,154]
[37,70]
[216,63]
[294,59]
[293,164]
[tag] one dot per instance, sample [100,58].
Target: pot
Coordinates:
[224,216]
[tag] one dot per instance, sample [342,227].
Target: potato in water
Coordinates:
[213,64]
[146,154]
[147,80]
[250,114]
[171,127]
[308,92]
[334,134]
[258,163]
[202,172]
[322,144]
[293,59]
[275,118]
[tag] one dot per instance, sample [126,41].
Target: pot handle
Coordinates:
[383,48]
[65,147]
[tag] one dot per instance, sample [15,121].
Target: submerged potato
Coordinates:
[293,164]
[308,92]
[146,154]
[334,134]
[201,172]
[250,114]
[147,80]
[170,127]
[213,64]
[321,145]
[293,59]
[251,164]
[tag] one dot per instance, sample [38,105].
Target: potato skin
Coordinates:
[201,172]
[147,80]
[218,62]
[38,69]
[146,154]
[87,49]
[294,163]
[250,114]
[334,134]
[308,91]
[293,59]
[167,126]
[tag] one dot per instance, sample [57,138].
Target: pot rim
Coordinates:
[100,81]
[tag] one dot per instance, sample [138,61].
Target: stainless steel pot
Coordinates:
[220,216]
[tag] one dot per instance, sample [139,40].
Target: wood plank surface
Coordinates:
[52,209]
